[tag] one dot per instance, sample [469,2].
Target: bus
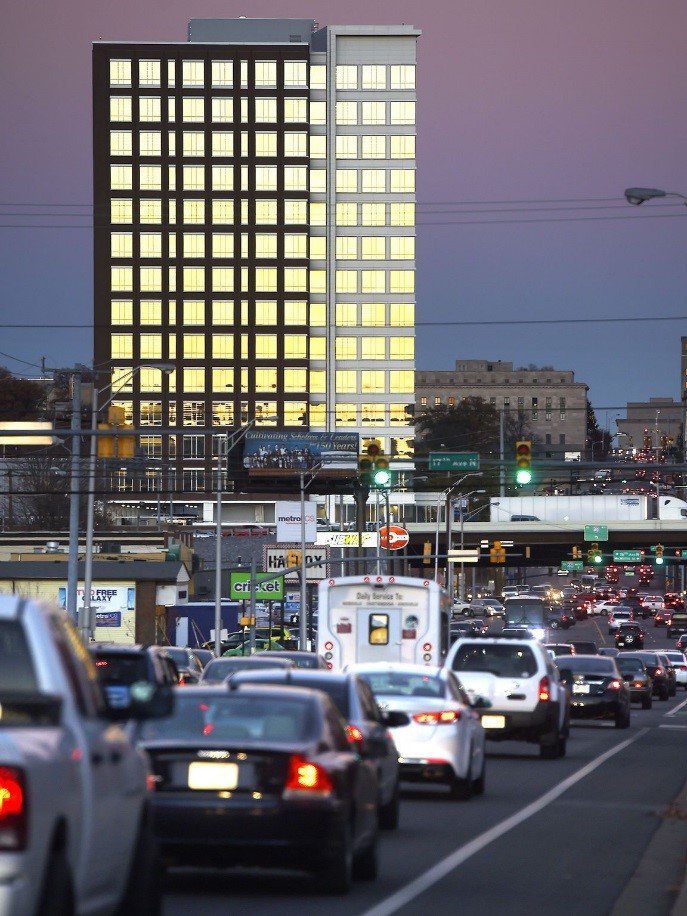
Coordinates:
[377,618]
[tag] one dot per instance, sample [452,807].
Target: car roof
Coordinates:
[300,676]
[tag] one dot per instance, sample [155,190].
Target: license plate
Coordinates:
[580,688]
[208,775]
[493,721]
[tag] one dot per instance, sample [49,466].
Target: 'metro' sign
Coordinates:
[240,587]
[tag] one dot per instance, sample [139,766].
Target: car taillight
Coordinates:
[354,735]
[615,685]
[544,690]
[306,778]
[445,717]
[13,819]
[659,671]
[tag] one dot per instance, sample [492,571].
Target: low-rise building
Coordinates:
[549,401]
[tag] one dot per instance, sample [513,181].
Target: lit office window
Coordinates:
[192,73]
[296,111]
[374,76]
[120,108]
[193,108]
[346,76]
[149,72]
[222,110]
[295,73]
[373,113]
[120,73]
[346,112]
[402,76]
[121,143]
[266,73]
[121,311]
[373,315]
[222,73]
[121,177]
[121,245]
[402,112]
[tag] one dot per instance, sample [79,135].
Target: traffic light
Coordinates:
[577,553]
[523,461]
[365,467]
[379,467]
[594,555]
[497,553]
[659,554]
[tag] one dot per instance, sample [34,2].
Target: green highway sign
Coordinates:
[571,565]
[627,556]
[454,461]
[596,532]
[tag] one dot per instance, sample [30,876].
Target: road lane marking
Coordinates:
[675,709]
[439,871]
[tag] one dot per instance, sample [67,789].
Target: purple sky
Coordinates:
[543,111]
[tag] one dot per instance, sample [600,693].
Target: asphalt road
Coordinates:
[562,836]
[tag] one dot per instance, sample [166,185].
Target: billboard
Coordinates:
[287,515]
[274,454]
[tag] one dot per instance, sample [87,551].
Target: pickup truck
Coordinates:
[74,790]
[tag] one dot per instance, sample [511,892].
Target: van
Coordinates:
[527,611]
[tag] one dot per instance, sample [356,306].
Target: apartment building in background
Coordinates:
[254,200]
[549,401]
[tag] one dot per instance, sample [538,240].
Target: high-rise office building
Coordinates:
[254,193]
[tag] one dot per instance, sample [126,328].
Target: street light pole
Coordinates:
[445,497]
[86,621]
[222,468]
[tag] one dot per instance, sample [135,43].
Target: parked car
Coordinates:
[439,736]
[262,776]
[367,729]
[598,689]
[519,678]
[629,636]
[638,678]
[656,671]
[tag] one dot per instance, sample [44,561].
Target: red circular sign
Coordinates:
[393,537]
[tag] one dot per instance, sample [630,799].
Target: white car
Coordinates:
[618,616]
[653,602]
[678,662]
[603,608]
[528,700]
[435,726]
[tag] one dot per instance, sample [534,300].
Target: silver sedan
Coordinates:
[436,729]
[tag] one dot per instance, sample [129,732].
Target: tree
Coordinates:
[472,425]
[599,439]
[20,398]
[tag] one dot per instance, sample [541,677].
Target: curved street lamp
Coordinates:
[638,196]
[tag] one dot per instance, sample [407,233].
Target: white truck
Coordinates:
[74,790]
[592,509]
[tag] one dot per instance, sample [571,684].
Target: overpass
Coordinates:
[549,543]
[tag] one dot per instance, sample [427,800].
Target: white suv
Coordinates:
[519,678]
[618,616]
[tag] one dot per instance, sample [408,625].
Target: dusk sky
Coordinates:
[533,117]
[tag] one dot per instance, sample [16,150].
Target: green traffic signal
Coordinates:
[523,461]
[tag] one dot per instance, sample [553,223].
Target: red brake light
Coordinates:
[544,690]
[615,685]
[13,821]
[354,735]
[445,717]
[306,778]
[660,670]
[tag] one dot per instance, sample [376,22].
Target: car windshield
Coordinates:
[226,716]
[401,683]
[502,659]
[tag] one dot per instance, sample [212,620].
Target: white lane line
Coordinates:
[676,709]
[441,869]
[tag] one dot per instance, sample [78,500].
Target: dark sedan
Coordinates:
[262,777]
[656,670]
[638,679]
[367,729]
[597,688]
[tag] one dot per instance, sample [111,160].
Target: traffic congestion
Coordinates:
[279,777]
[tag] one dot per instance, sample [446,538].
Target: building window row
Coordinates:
[350,113]
[223,110]
[219,73]
[375,146]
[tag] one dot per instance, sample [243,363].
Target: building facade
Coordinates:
[551,404]
[254,192]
